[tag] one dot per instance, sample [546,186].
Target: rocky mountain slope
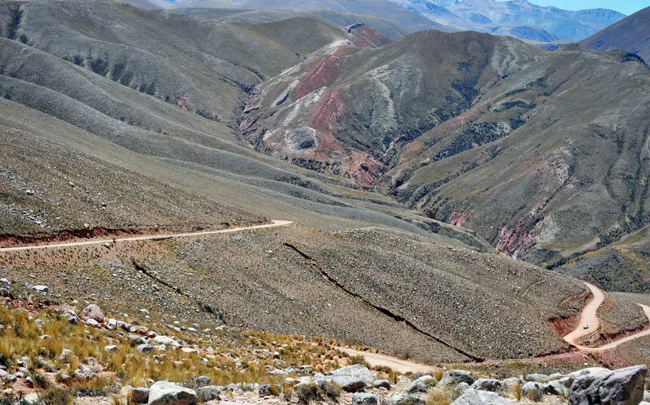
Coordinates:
[118,120]
[629,34]
[457,124]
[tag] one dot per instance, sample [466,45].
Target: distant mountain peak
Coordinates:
[514,17]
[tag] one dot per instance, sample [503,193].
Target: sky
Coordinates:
[624,6]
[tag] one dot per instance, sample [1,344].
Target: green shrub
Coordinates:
[307,392]
[329,390]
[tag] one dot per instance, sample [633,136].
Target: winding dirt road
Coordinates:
[273,224]
[399,365]
[589,317]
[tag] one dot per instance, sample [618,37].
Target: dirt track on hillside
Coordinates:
[589,317]
[399,365]
[100,241]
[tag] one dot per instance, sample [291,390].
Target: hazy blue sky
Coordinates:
[624,6]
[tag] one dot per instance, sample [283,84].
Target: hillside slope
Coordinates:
[629,34]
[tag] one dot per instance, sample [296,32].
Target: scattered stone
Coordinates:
[139,329]
[623,387]
[455,377]
[533,391]
[422,384]
[71,316]
[267,390]
[144,348]
[31,399]
[540,378]
[93,311]
[363,398]
[136,339]
[487,384]
[210,392]
[43,289]
[356,370]
[165,393]
[202,381]
[111,324]
[476,397]
[140,395]
[346,382]
[111,348]
[382,384]
[65,355]
[405,399]
[93,323]
[555,388]
[461,388]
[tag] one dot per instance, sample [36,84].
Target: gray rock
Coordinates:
[555,388]
[41,289]
[422,384]
[357,371]
[65,355]
[166,393]
[364,398]
[144,348]
[10,378]
[202,381]
[93,311]
[265,390]
[533,391]
[210,392]
[461,388]
[31,399]
[381,384]
[93,323]
[646,396]
[140,395]
[140,330]
[111,324]
[621,387]
[540,378]
[476,397]
[71,316]
[111,348]
[405,399]
[487,384]
[556,376]
[455,377]
[346,382]
[510,383]
[137,339]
